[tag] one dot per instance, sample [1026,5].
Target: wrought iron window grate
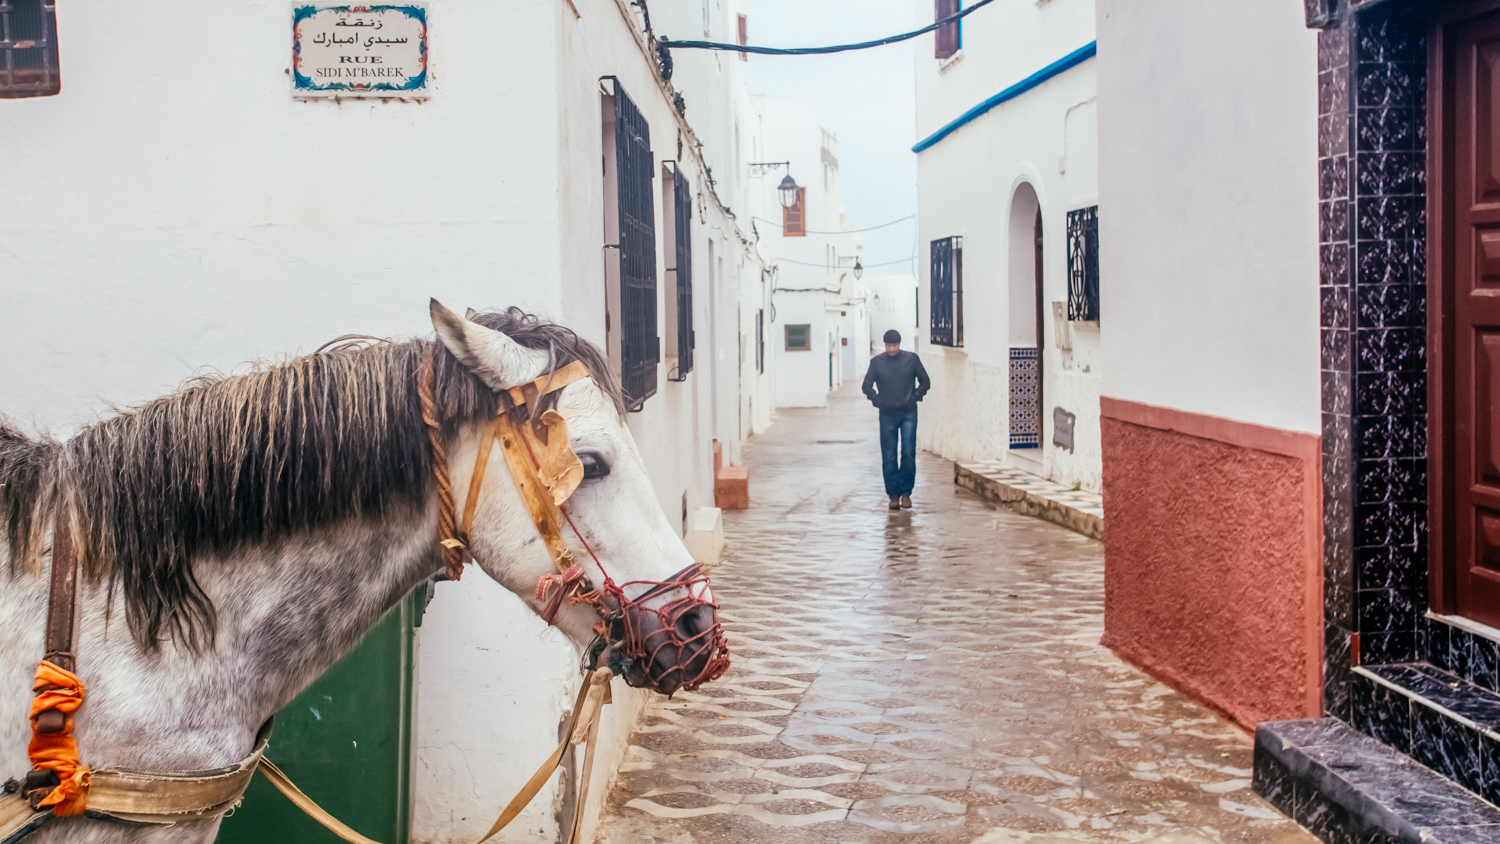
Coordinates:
[682,202]
[28,49]
[1083,264]
[640,347]
[948,291]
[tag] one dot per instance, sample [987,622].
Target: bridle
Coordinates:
[546,471]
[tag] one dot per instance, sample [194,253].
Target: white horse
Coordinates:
[238,537]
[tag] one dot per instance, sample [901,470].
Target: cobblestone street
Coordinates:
[931,675]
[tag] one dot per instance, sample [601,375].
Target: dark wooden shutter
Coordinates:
[949,38]
[682,196]
[28,49]
[640,347]
[793,219]
[744,36]
[1473,346]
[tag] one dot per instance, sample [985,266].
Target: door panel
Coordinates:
[1475,489]
[345,742]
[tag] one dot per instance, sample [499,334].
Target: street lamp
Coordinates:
[859,269]
[788,190]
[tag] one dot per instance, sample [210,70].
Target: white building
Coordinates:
[194,212]
[1008,204]
[820,311]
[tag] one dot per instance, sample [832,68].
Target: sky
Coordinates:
[865,97]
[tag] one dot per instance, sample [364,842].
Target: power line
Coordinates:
[845,231]
[825,266]
[666,44]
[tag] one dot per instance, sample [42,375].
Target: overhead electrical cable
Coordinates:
[667,44]
[825,266]
[845,231]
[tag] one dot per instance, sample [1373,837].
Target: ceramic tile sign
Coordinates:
[359,51]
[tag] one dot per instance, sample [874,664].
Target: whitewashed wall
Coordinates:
[1210,259]
[190,213]
[1045,138]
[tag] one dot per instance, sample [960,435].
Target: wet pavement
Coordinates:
[931,675]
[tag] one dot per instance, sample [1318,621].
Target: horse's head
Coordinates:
[662,632]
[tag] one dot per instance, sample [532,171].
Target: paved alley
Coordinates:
[932,675]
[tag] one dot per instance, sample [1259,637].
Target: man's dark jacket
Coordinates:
[895,383]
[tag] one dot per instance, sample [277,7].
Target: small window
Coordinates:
[947,282]
[799,338]
[28,49]
[949,37]
[793,219]
[744,36]
[1083,264]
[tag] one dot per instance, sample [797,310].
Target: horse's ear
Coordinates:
[498,361]
[470,313]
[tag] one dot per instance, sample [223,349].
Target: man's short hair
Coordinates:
[893,336]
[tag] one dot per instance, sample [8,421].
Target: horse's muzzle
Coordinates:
[668,637]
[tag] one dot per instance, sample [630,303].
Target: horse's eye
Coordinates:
[594,464]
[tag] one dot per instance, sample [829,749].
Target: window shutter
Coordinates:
[640,347]
[744,36]
[28,49]
[793,222]
[1083,264]
[949,38]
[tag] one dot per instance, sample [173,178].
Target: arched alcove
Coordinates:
[1025,331]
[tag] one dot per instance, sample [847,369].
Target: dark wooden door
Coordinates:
[1474,214]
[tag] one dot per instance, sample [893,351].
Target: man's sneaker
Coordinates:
[906,502]
[895,503]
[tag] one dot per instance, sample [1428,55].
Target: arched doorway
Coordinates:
[1025,332]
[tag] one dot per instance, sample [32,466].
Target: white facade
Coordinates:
[893,305]
[985,183]
[1204,229]
[816,294]
[191,213]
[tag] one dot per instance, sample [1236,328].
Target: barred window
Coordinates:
[760,340]
[633,227]
[1083,264]
[799,338]
[28,49]
[950,37]
[678,193]
[948,291]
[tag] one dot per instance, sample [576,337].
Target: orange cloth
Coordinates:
[58,751]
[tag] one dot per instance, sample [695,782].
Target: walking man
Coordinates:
[895,382]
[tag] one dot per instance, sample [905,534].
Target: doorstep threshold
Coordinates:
[1032,495]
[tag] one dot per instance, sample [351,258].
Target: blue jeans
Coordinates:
[900,476]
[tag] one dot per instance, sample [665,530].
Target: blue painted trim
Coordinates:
[1073,59]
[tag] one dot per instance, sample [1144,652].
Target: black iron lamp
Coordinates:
[788,190]
[859,270]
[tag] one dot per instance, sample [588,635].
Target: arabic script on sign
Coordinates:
[359,51]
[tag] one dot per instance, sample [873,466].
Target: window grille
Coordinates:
[948,291]
[1083,264]
[799,338]
[760,340]
[682,204]
[793,220]
[28,49]
[640,347]
[950,37]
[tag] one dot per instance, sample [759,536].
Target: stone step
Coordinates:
[1345,786]
[994,480]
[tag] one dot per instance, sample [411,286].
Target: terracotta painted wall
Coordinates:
[1213,557]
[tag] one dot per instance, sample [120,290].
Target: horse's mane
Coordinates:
[226,462]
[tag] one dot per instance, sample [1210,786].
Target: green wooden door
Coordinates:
[345,742]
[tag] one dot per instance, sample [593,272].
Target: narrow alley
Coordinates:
[928,675]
